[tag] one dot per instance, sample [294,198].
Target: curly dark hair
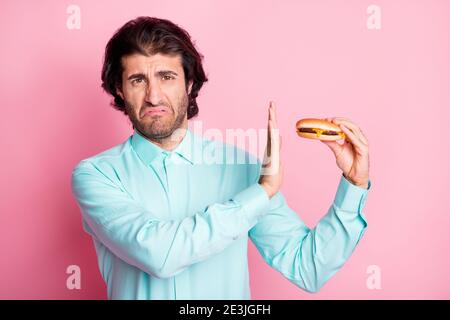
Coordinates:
[148,36]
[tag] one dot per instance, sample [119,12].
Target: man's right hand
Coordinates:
[272,171]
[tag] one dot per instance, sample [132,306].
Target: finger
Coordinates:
[275,132]
[331,121]
[272,159]
[268,127]
[352,127]
[356,142]
[356,130]
[274,149]
[348,123]
[274,114]
[269,114]
[267,151]
[272,154]
[269,138]
[334,146]
[274,137]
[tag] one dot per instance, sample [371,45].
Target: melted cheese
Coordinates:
[318,132]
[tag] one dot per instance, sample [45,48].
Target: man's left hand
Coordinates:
[352,157]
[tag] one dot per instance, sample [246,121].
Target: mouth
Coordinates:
[155,111]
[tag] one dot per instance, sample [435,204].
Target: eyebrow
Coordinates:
[141,75]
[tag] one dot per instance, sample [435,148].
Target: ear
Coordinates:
[119,92]
[190,86]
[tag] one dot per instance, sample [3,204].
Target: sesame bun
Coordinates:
[319,129]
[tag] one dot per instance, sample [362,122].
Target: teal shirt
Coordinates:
[175,225]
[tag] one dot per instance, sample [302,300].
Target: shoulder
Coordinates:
[106,160]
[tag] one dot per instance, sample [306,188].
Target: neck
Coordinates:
[171,142]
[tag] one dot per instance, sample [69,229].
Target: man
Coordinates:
[166,223]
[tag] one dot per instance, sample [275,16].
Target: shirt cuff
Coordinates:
[350,197]
[254,200]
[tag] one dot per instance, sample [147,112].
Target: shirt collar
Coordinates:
[148,151]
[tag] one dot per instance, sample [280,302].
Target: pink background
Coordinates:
[314,58]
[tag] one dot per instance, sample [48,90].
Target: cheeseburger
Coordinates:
[319,129]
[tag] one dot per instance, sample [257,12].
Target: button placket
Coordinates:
[165,165]
[174,180]
[158,167]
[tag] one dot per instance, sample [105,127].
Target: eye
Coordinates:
[137,81]
[166,77]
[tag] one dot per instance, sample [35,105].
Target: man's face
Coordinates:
[155,95]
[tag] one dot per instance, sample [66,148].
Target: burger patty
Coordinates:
[311,130]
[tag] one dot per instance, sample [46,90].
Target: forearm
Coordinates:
[329,245]
[169,247]
[309,257]
[163,247]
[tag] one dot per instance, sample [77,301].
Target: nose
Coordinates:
[154,94]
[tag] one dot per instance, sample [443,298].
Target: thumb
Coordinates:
[333,145]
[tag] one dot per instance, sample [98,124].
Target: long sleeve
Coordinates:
[309,257]
[161,248]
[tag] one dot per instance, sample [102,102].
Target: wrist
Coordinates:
[362,184]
